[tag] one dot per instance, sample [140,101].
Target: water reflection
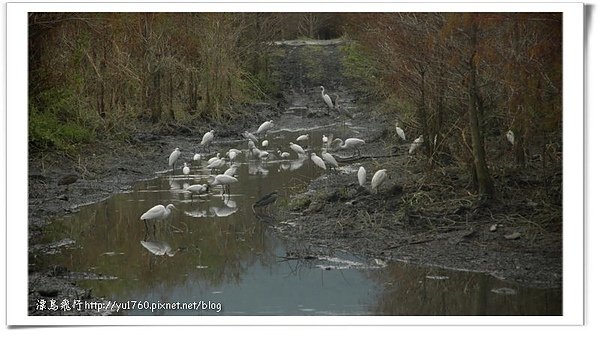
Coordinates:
[228,254]
[257,168]
[227,209]
[431,291]
[158,248]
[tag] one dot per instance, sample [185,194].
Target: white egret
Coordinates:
[233,153]
[298,149]
[208,138]
[264,127]
[418,142]
[362,176]
[156,213]
[186,169]
[326,98]
[263,155]
[350,143]
[212,159]
[378,179]
[223,180]
[329,159]
[216,164]
[317,161]
[324,139]
[302,138]
[510,136]
[197,189]
[197,157]
[265,143]
[283,155]
[250,136]
[231,171]
[400,132]
[173,158]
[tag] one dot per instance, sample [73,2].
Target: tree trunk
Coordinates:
[422,113]
[171,93]
[484,181]
[192,95]
[156,99]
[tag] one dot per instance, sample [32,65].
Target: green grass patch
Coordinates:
[53,122]
[359,65]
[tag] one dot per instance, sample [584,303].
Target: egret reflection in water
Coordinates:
[159,248]
[228,208]
[257,168]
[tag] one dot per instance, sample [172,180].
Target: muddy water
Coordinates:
[216,252]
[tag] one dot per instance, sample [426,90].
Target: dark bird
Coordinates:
[265,200]
[68,180]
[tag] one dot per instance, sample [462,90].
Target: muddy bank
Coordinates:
[428,217]
[424,214]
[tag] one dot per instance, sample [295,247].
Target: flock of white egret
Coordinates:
[227,178]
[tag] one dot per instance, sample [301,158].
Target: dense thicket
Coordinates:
[464,79]
[91,72]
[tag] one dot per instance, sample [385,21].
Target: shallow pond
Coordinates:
[220,255]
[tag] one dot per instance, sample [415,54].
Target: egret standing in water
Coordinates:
[173,158]
[362,176]
[298,149]
[216,164]
[223,180]
[212,159]
[378,178]
[510,136]
[156,213]
[284,155]
[327,99]
[197,157]
[197,189]
[400,132]
[263,155]
[231,171]
[233,153]
[350,143]
[186,169]
[318,161]
[207,139]
[264,127]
